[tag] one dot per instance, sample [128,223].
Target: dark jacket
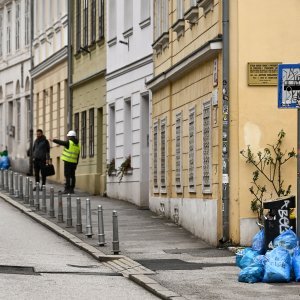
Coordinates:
[41,149]
[66,143]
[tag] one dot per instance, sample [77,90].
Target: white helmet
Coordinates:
[71,133]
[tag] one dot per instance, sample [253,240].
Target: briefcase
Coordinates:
[49,170]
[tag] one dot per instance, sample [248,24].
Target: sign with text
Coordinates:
[262,73]
[289,86]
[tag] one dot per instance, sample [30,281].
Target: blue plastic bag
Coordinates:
[258,242]
[4,162]
[254,272]
[287,239]
[277,265]
[296,264]
[245,257]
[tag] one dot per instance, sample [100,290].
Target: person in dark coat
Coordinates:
[70,156]
[41,156]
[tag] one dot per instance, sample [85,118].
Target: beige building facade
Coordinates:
[188,116]
[88,90]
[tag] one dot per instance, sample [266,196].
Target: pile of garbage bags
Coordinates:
[4,160]
[281,264]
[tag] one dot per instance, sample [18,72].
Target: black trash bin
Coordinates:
[278,218]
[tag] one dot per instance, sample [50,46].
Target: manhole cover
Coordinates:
[17,270]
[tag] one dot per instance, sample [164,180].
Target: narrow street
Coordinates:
[54,268]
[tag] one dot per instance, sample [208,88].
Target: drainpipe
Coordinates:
[70,91]
[31,88]
[225,130]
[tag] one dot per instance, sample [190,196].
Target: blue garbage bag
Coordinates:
[296,263]
[277,265]
[4,162]
[258,242]
[254,272]
[245,257]
[287,239]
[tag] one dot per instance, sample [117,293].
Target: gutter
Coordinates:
[70,90]
[225,118]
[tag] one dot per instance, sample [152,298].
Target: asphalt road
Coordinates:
[56,269]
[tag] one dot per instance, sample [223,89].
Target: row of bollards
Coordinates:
[13,183]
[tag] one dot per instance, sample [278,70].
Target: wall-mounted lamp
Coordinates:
[125,43]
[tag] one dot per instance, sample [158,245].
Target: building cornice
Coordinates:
[188,63]
[50,62]
[130,67]
[88,78]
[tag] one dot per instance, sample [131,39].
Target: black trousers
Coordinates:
[39,167]
[69,171]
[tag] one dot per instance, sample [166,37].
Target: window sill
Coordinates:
[92,46]
[129,171]
[112,42]
[161,43]
[100,41]
[179,27]
[191,16]
[207,5]
[128,33]
[145,23]
[77,55]
[112,173]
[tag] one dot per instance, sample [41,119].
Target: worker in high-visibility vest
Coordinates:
[70,156]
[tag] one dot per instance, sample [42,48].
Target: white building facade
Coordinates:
[15,83]
[129,67]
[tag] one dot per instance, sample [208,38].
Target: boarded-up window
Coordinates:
[192,149]
[163,155]
[206,148]
[178,152]
[155,155]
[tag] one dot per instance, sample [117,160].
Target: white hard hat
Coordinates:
[71,133]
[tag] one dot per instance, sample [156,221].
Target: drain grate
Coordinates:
[17,270]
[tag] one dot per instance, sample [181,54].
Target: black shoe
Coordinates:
[66,191]
[71,191]
[34,189]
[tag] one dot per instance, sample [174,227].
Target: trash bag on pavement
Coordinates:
[287,239]
[254,272]
[245,257]
[296,263]
[258,242]
[277,265]
[4,162]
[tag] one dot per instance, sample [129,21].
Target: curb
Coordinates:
[118,263]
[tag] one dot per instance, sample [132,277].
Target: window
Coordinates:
[76,124]
[112,131]
[78,25]
[91,133]
[83,134]
[178,152]
[127,127]
[101,19]
[165,16]
[93,22]
[193,2]
[161,18]
[206,148]
[29,116]
[128,15]
[163,155]
[155,156]
[86,23]
[27,22]
[180,9]
[8,31]
[1,30]
[1,125]
[18,120]
[192,147]
[112,14]
[17,25]
[145,9]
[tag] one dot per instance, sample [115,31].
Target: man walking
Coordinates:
[41,156]
[70,156]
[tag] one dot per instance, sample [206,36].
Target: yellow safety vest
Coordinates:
[71,154]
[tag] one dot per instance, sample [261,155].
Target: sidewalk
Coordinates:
[177,265]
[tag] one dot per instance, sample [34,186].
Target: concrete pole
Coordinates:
[89,229]
[115,243]
[79,222]
[37,196]
[11,183]
[101,235]
[60,213]
[6,187]
[21,187]
[44,205]
[26,196]
[31,199]
[16,185]
[69,211]
[51,210]
[2,180]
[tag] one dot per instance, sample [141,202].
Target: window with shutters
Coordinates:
[18,120]
[85,23]
[17,24]
[78,25]
[206,148]
[192,150]
[76,124]
[101,19]
[155,156]
[178,152]
[27,22]
[83,134]
[163,156]
[91,133]
[93,22]
[8,31]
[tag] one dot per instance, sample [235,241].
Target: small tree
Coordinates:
[268,165]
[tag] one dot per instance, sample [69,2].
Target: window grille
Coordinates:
[93,22]
[155,155]
[78,25]
[192,149]
[86,23]
[178,151]
[17,26]
[83,134]
[163,154]
[91,133]
[101,19]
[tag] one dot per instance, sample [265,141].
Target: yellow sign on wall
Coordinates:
[263,73]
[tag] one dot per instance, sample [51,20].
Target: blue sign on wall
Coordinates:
[289,86]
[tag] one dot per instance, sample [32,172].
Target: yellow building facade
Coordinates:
[88,90]
[187,179]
